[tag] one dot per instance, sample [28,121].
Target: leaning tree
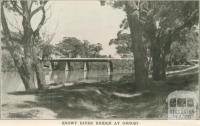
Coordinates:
[23,45]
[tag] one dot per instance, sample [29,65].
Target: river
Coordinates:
[11,81]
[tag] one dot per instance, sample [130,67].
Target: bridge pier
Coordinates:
[85,70]
[67,66]
[67,75]
[51,66]
[86,66]
[109,68]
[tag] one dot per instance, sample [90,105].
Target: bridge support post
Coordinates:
[110,69]
[51,66]
[67,75]
[85,70]
[67,66]
[86,66]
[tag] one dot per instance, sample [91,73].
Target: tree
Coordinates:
[73,47]
[92,50]
[123,44]
[7,63]
[70,47]
[167,20]
[136,20]
[185,49]
[162,21]
[47,50]
[27,61]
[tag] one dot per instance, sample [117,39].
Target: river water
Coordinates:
[12,82]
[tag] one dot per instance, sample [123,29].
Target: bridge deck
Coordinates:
[85,59]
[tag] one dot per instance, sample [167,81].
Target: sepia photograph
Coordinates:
[100,59]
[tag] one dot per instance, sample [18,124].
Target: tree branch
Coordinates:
[38,9]
[130,7]
[187,23]
[35,11]
[31,5]
[41,22]
[8,39]
[4,22]
[172,36]
[17,7]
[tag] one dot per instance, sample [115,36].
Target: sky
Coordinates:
[85,20]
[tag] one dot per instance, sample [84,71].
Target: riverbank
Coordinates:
[99,100]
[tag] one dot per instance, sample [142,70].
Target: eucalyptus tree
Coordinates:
[123,44]
[167,21]
[23,47]
[136,19]
[155,25]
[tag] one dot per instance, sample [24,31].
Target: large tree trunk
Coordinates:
[29,56]
[156,59]
[32,63]
[24,65]
[28,66]
[26,74]
[140,59]
[159,62]
[38,67]
[31,71]
[40,76]
[138,47]
[163,66]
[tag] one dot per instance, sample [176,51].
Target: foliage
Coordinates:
[73,47]
[47,50]
[23,44]
[186,49]
[92,50]
[161,24]
[7,63]
[70,46]
[163,20]
[123,44]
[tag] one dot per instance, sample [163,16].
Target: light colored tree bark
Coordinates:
[28,65]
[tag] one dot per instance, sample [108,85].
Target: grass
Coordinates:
[102,100]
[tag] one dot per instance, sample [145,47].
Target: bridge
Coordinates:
[86,61]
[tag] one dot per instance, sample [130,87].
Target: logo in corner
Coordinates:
[182,105]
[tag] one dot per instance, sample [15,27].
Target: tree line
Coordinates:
[72,47]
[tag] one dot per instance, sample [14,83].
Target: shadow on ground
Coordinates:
[112,100]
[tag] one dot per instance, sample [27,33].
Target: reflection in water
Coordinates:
[80,75]
[85,74]
[12,82]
